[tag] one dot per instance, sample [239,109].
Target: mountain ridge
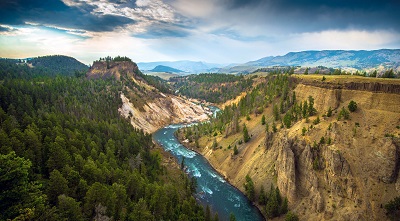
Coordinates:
[357,59]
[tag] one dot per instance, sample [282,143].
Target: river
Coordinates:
[212,189]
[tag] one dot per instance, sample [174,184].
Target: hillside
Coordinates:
[146,101]
[162,68]
[59,64]
[67,154]
[41,66]
[360,60]
[328,168]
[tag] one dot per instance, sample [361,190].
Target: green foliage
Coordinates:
[262,199]
[311,109]
[287,120]
[322,140]
[208,214]
[316,164]
[316,121]
[290,216]
[248,117]
[246,136]
[276,113]
[235,150]
[17,192]
[343,114]
[389,74]
[329,112]
[274,129]
[263,120]
[69,208]
[352,106]
[249,188]
[393,208]
[275,206]
[65,137]
[216,217]
[232,217]
[213,87]
[303,131]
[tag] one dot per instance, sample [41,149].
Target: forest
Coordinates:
[212,87]
[66,154]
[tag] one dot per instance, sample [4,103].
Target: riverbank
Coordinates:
[220,172]
[217,192]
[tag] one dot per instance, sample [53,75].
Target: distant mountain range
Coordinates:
[388,58]
[189,67]
[344,59]
[162,68]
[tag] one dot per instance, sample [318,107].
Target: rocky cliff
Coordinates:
[143,104]
[348,178]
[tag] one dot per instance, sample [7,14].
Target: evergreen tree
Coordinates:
[329,113]
[232,217]
[246,136]
[276,113]
[352,106]
[216,218]
[235,150]
[263,120]
[208,214]
[249,188]
[262,199]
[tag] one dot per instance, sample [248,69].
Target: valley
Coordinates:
[310,146]
[328,168]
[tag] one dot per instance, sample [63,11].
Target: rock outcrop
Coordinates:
[160,112]
[349,178]
[143,104]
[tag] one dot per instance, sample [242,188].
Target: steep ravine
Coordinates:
[358,172]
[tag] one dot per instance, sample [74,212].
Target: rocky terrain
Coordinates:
[146,107]
[350,177]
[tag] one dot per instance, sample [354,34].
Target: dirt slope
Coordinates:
[144,105]
[356,173]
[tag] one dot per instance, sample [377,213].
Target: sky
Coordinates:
[216,31]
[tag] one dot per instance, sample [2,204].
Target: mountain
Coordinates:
[40,66]
[190,67]
[146,101]
[59,64]
[388,58]
[162,68]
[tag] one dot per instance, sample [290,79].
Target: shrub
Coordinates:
[393,208]
[291,217]
[343,114]
[352,106]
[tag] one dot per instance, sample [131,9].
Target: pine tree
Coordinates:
[246,136]
[263,120]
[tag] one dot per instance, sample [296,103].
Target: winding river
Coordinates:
[212,189]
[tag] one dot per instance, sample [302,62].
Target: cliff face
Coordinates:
[162,111]
[144,105]
[348,179]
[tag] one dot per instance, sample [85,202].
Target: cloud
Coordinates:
[56,13]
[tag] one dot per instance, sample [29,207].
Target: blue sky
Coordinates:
[218,31]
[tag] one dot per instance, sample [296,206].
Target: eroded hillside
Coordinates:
[330,168]
[143,102]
